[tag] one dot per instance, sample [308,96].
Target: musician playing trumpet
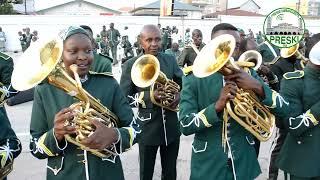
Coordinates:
[52,119]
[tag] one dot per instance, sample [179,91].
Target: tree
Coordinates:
[6,6]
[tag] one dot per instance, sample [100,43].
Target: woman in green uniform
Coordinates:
[51,110]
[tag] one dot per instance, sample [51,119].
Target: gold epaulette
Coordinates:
[104,73]
[187,70]
[294,75]
[4,56]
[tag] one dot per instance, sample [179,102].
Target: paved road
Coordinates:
[26,167]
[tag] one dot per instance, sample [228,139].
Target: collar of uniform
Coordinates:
[312,71]
[82,80]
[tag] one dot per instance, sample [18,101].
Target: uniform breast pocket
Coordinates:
[199,146]
[250,140]
[144,115]
[55,164]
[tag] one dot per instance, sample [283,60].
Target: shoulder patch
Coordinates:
[4,56]
[104,73]
[294,75]
[187,70]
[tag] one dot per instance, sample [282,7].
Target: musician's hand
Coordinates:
[159,94]
[264,70]
[245,81]
[228,92]
[102,137]
[176,101]
[62,128]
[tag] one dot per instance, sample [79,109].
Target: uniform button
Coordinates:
[299,142]
[310,135]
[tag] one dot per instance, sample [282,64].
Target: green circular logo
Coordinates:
[284,27]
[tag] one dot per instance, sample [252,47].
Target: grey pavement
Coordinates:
[27,167]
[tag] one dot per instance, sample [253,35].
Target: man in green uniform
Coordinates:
[103,33]
[279,68]
[299,155]
[113,35]
[201,113]
[51,115]
[10,146]
[188,54]
[164,39]
[174,50]
[102,62]
[160,127]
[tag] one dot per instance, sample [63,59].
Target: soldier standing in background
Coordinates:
[113,35]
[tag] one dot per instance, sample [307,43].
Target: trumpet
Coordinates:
[245,108]
[146,72]
[44,63]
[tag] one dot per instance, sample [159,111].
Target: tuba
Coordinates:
[245,108]
[44,63]
[146,72]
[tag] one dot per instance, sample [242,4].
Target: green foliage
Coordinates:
[6,8]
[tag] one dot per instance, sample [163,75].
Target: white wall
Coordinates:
[51,25]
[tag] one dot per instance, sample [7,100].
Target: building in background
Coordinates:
[314,8]
[78,7]
[180,9]
[300,5]
[27,7]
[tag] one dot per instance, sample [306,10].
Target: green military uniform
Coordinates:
[198,116]
[282,66]
[164,40]
[103,33]
[65,160]
[159,126]
[112,35]
[176,54]
[10,146]
[299,155]
[268,52]
[101,63]
[188,55]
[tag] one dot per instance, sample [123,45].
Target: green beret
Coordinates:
[74,30]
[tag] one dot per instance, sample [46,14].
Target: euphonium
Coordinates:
[43,62]
[245,108]
[146,72]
